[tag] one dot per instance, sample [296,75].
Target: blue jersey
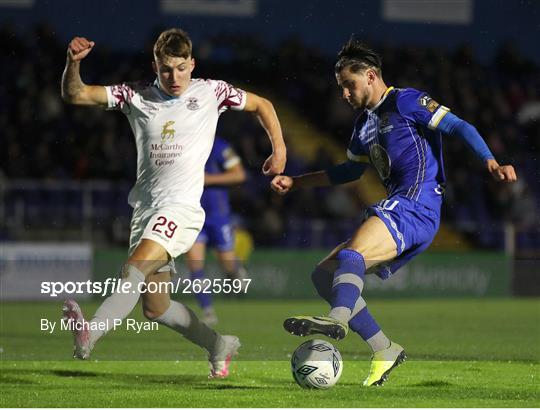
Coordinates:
[215,199]
[399,137]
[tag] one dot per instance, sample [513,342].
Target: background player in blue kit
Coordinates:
[399,132]
[223,168]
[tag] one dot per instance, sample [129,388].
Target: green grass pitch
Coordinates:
[462,353]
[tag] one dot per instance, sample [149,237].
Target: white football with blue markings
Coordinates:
[316,364]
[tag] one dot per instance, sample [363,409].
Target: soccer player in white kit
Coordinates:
[174,122]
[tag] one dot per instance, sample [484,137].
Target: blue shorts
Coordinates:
[412,225]
[217,233]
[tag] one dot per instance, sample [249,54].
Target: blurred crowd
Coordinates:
[45,139]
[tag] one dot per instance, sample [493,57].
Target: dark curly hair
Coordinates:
[357,57]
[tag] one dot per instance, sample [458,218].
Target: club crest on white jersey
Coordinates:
[193,104]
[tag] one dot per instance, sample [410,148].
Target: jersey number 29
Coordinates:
[169,229]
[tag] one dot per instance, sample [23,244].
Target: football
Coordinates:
[316,364]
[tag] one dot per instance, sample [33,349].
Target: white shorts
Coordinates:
[173,227]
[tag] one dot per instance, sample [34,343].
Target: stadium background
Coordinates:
[65,171]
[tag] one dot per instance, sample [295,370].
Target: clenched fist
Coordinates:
[505,173]
[282,184]
[79,48]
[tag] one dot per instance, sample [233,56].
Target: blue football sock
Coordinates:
[364,324]
[322,280]
[204,299]
[347,285]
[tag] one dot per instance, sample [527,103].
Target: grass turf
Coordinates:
[462,353]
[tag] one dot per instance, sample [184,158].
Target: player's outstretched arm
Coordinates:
[264,110]
[455,126]
[283,183]
[347,171]
[234,175]
[74,91]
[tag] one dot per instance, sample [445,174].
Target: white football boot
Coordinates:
[219,360]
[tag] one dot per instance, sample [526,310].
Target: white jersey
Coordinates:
[174,136]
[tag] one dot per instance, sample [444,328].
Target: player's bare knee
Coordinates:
[153,309]
[153,314]
[156,299]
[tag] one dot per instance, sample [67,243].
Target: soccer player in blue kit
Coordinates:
[222,169]
[399,132]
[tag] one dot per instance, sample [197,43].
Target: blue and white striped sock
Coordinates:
[347,285]
[365,325]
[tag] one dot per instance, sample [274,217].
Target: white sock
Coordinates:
[182,319]
[341,313]
[359,305]
[118,305]
[378,341]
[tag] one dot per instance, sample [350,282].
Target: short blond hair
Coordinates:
[174,42]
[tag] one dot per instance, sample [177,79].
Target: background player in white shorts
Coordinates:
[174,122]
